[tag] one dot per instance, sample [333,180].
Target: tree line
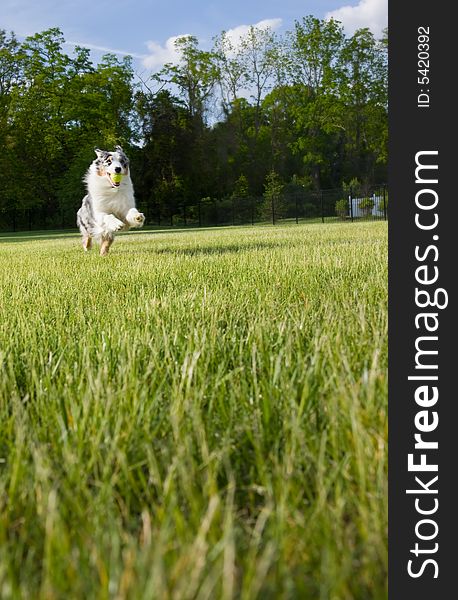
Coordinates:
[307,108]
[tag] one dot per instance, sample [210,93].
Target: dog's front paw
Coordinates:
[140,220]
[112,223]
[135,218]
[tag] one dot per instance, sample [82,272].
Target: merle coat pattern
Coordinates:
[109,205]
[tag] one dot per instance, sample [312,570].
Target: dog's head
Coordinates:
[111,165]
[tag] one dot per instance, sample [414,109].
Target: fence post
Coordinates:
[322,206]
[384,202]
[297,216]
[351,204]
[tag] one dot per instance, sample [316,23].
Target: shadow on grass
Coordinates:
[217,250]
[45,235]
[26,236]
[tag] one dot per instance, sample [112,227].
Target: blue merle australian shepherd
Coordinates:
[109,205]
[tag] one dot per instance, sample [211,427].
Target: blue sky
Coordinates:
[145,29]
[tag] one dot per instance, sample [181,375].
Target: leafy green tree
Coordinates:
[60,109]
[260,54]
[314,67]
[231,70]
[194,76]
[10,72]
[308,106]
[241,188]
[364,93]
[247,68]
[273,196]
[164,162]
[11,66]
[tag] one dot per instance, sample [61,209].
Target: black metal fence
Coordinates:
[294,204]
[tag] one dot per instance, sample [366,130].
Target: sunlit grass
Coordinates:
[201,414]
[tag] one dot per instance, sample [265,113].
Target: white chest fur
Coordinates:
[107,199]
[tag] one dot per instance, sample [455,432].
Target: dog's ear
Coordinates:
[100,153]
[123,157]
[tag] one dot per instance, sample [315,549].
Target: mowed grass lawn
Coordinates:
[201,414]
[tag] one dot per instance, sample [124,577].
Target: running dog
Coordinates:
[109,205]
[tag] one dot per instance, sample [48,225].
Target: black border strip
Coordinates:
[412,130]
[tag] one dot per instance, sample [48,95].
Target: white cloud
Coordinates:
[159,55]
[237,33]
[367,13]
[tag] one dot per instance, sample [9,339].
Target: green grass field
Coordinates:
[199,415]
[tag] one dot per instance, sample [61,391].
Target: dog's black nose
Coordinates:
[118,169]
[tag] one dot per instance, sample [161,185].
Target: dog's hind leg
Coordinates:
[107,240]
[84,220]
[87,242]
